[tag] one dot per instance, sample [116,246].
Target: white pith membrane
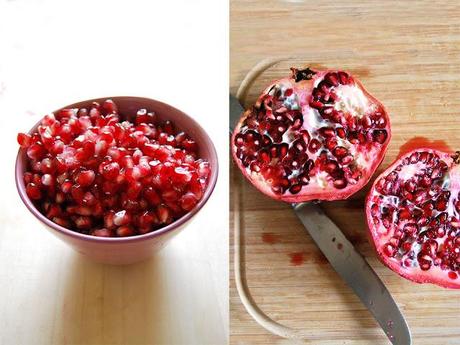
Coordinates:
[430,250]
[314,173]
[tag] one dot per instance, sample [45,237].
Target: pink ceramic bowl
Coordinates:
[127,250]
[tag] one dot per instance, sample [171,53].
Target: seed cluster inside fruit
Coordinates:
[325,136]
[415,209]
[102,173]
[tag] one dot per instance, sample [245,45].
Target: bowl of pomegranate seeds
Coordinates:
[116,178]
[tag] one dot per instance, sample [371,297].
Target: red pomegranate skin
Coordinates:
[412,213]
[315,135]
[94,172]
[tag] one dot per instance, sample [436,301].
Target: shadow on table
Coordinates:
[104,304]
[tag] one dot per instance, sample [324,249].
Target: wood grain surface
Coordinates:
[407,54]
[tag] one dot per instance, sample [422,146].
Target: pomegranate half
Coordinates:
[316,135]
[413,214]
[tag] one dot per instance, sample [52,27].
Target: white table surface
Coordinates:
[54,53]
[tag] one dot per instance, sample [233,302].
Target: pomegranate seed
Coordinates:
[147,219]
[102,233]
[83,222]
[124,231]
[24,140]
[62,222]
[188,201]
[380,136]
[389,250]
[33,191]
[109,107]
[108,220]
[53,211]
[47,180]
[121,218]
[36,151]
[111,171]
[163,214]
[152,196]
[189,145]
[314,145]
[77,193]
[85,178]
[142,117]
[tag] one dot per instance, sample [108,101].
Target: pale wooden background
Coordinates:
[55,53]
[407,54]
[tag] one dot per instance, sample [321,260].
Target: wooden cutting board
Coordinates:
[408,56]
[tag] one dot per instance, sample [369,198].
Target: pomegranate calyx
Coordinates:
[302,74]
[456,157]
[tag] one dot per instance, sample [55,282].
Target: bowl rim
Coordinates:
[20,186]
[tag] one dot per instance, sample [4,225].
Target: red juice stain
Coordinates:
[421,142]
[269,237]
[339,246]
[297,259]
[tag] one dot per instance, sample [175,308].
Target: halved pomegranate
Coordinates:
[102,173]
[316,135]
[413,214]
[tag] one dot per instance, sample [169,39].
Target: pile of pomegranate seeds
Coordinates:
[413,213]
[94,173]
[314,135]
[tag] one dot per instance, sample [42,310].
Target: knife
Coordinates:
[347,262]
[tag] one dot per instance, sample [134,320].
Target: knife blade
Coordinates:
[347,262]
[355,271]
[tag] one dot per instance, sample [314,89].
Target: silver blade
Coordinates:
[355,271]
[235,112]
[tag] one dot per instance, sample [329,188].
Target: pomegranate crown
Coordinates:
[302,74]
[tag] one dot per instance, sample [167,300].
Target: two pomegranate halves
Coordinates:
[413,213]
[316,135]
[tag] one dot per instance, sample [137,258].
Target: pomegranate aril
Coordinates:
[424,261]
[340,152]
[164,215]
[83,222]
[147,219]
[102,233]
[53,211]
[340,184]
[109,107]
[380,136]
[121,218]
[152,196]
[189,145]
[85,178]
[47,180]
[33,191]
[389,250]
[111,170]
[124,231]
[188,201]
[36,151]
[24,140]
[143,116]
[77,193]
[61,221]
[314,146]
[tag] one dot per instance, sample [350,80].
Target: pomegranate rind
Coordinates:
[311,191]
[414,274]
